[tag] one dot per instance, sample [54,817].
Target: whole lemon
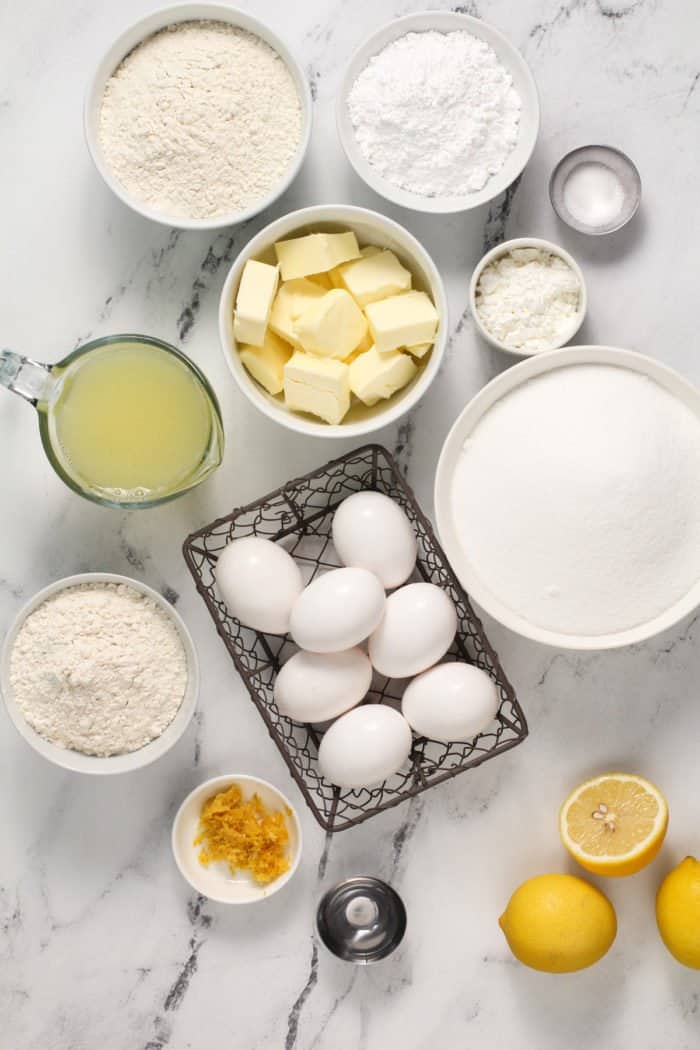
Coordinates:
[558,923]
[678,912]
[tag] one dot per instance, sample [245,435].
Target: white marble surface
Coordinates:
[102,944]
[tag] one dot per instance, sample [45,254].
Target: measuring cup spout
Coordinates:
[30,379]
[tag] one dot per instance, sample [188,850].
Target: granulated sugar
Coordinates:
[577,499]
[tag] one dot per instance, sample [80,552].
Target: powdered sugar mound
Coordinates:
[577,501]
[99,668]
[435,113]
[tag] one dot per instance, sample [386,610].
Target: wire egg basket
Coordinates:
[298,516]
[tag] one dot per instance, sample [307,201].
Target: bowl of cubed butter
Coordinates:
[333,321]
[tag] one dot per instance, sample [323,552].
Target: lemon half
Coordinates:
[614,824]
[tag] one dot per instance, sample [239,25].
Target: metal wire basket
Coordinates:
[299,517]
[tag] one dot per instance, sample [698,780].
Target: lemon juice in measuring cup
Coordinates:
[127,421]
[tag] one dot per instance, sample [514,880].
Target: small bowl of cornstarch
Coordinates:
[528,295]
[198,116]
[99,673]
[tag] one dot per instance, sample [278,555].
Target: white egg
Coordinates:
[450,702]
[259,582]
[313,687]
[365,746]
[337,610]
[371,531]
[416,631]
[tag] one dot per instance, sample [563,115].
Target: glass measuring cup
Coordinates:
[126,421]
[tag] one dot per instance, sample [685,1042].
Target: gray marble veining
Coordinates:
[102,943]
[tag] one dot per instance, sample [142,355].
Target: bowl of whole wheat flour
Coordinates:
[99,673]
[198,116]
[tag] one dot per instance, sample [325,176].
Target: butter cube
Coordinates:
[375,277]
[317,385]
[266,363]
[254,302]
[374,376]
[419,350]
[364,345]
[402,320]
[290,302]
[331,326]
[315,253]
[323,279]
[336,274]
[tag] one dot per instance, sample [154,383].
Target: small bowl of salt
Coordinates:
[595,189]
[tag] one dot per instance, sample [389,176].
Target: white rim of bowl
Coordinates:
[77,761]
[419,21]
[219,783]
[147,27]
[398,405]
[464,425]
[503,249]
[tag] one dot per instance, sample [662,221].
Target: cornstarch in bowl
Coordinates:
[575,500]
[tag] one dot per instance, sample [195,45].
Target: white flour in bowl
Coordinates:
[435,113]
[99,668]
[577,500]
[200,119]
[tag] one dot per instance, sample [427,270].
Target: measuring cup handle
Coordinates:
[30,379]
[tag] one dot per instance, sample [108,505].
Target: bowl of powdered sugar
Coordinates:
[567,498]
[99,674]
[438,112]
[198,116]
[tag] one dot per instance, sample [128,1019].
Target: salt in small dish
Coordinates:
[620,171]
[215,881]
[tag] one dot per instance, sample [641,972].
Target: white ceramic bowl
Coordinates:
[443,22]
[140,31]
[215,881]
[503,249]
[371,228]
[76,760]
[461,431]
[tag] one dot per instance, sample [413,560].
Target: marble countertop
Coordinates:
[102,943]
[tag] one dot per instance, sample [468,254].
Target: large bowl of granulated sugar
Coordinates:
[198,116]
[568,502]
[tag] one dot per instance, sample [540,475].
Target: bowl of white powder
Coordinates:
[99,673]
[438,112]
[198,116]
[567,498]
[528,295]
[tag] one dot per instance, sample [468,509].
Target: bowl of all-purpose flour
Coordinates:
[567,498]
[99,673]
[438,112]
[198,116]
